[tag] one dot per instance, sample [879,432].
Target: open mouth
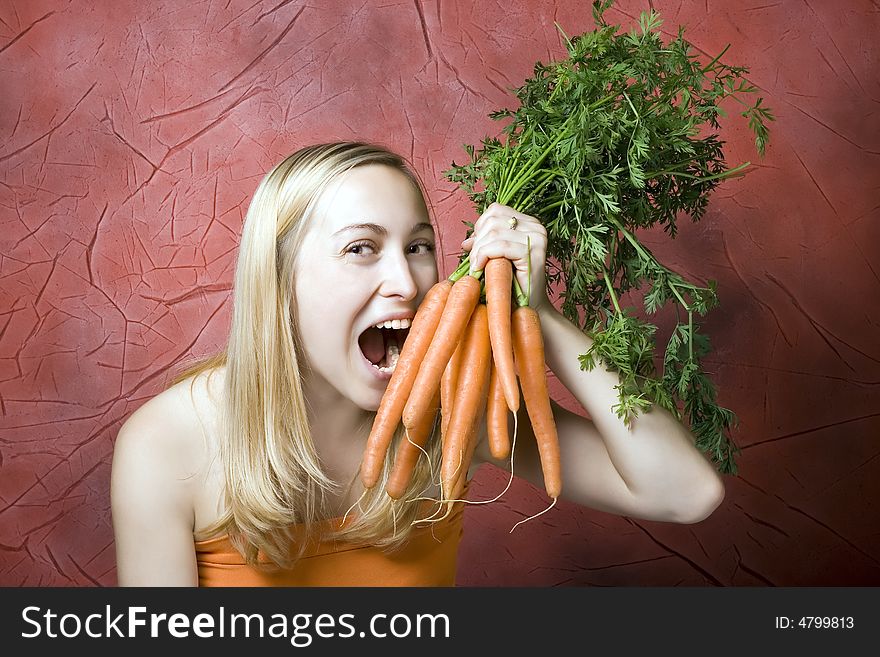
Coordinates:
[381,344]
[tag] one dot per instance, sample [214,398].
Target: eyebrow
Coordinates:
[381,230]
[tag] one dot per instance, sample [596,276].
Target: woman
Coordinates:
[245,470]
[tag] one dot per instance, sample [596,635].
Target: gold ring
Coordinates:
[512,222]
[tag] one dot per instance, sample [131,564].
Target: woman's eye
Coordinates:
[421,248]
[360,248]
[368,248]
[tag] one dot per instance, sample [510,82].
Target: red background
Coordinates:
[133,134]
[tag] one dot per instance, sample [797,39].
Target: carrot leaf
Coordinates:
[620,135]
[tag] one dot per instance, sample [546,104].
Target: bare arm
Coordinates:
[650,470]
[151,507]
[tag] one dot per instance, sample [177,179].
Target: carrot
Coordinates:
[470,444]
[496,417]
[463,298]
[409,451]
[388,415]
[528,347]
[476,358]
[447,389]
[498,281]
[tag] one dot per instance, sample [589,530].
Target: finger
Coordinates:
[536,235]
[499,216]
[516,246]
[495,225]
[515,250]
[499,227]
[518,251]
[505,213]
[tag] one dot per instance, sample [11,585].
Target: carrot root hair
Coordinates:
[509,479]
[356,503]
[534,516]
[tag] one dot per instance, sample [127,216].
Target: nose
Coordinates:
[397,279]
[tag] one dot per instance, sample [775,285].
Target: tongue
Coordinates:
[373,345]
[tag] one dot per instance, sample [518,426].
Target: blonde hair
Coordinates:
[274,478]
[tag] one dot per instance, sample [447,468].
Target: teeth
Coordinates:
[393,356]
[392,348]
[394,324]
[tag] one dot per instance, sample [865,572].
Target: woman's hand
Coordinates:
[497,236]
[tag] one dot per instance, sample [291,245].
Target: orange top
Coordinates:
[428,559]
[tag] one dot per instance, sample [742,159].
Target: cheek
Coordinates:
[324,308]
[315,312]
[322,335]
[309,299]
[425,277]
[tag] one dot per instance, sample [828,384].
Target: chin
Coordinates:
[371,400]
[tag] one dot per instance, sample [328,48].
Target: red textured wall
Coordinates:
[133,134]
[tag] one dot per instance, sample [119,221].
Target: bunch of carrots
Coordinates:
[468,353]
[588,152]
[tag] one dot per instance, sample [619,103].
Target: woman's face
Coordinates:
[367,259]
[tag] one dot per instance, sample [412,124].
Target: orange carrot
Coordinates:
[447,389]
[476,358]
[470,443]
[528,347]
[499,278]
[388,415]
[408,454]
[463,298]
[496,418]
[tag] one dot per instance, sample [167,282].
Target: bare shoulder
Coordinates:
[170,430]
[160,464]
